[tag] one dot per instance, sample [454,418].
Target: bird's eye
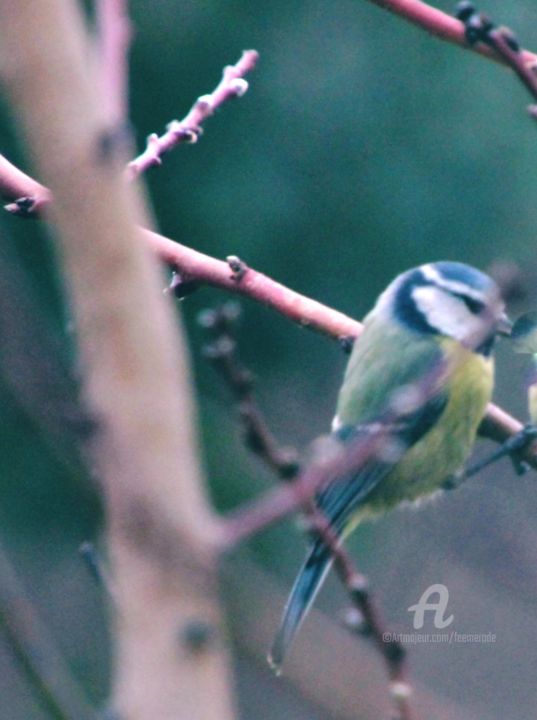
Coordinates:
[473,305]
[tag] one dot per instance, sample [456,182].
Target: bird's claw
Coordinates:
[513,447]
[518,443]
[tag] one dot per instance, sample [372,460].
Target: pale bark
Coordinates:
[161,534]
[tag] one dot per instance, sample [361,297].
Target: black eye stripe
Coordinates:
[405,304]
[407,312]
[474,306]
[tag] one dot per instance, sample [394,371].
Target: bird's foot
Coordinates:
[512,447]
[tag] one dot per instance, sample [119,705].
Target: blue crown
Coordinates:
[459,272]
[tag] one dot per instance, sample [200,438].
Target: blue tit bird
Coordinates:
[446,315]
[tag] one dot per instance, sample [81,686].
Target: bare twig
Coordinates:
[114,34]
[29,198]
[479,28]
[34,368]
[222,352]
[196,267]
[506,46]
[442,25]
[367,620]
[36,650]
[189,128]
[341,676]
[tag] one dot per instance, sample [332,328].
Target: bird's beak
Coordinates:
[504,325]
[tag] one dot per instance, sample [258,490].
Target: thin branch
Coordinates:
[36,650]
[34,368]
[222,352]
[114,35]
[499,426]
[195,267]
[442,25]
[369,622]
[188,130]
[29,197]
[341,676]
[505,45]
[480,28]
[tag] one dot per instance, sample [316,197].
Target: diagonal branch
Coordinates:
[479,28]
[37,651]
[189,129]
[442,25]
[29,198]
[367,620]
[223,354]
[194,266]
[364,617]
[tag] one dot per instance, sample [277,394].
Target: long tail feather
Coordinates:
[306,587]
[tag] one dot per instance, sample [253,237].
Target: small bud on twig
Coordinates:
[23,207]
[189,130]
[464,10]
[346,343]
[353,619]
[237,267]
[181,287]
[358,585]
[239,86]
[400,690]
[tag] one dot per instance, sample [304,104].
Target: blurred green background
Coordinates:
[363,146]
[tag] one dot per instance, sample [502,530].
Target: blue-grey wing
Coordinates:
[342,497]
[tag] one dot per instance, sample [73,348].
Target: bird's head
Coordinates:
[449,299]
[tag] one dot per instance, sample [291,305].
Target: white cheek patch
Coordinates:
[449,315]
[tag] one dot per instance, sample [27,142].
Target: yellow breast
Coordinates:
[446,447]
